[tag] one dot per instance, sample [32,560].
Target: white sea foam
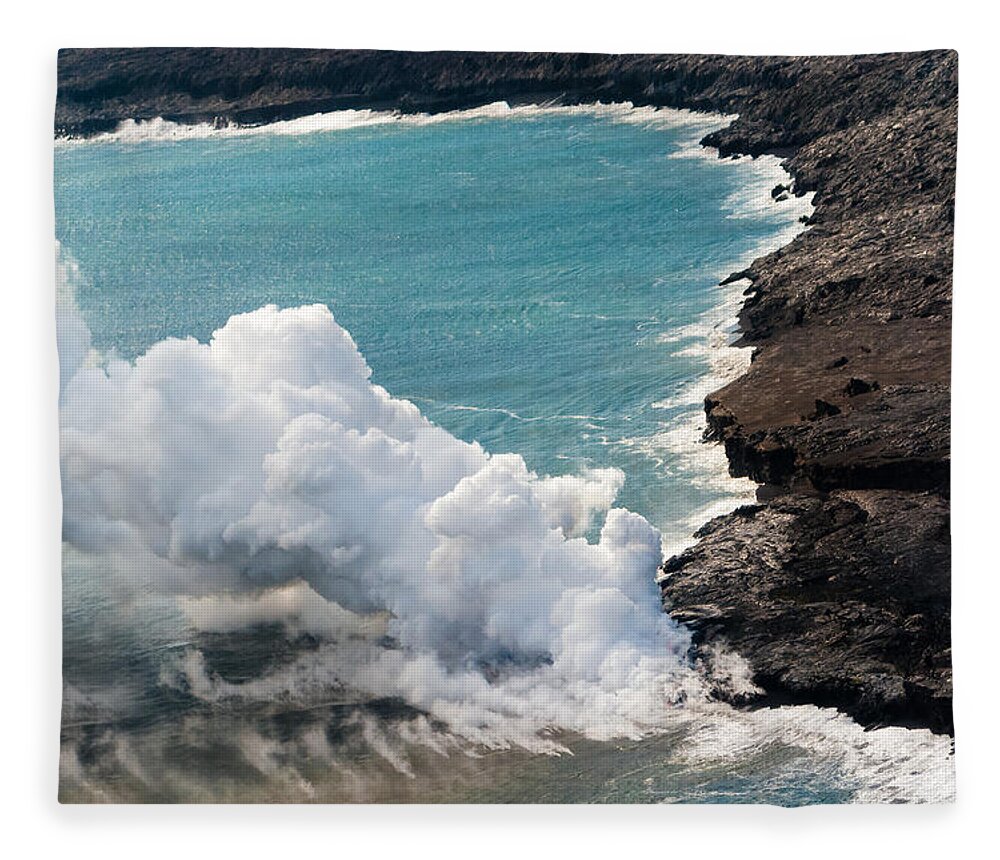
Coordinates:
[711,338]
[161,130]
[886,765]
[679,443]
[498,410]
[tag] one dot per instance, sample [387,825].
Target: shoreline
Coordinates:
[728,361]
[133,130]
[835,586]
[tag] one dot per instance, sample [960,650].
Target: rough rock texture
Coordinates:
[833,599]
[864,295]
[836,587]
[786,101]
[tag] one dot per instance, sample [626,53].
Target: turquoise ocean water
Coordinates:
[534,283]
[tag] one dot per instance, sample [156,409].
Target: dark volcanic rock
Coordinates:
[871,281]
[857,386]
[840,600]
[838,597]
[784,102]
[835,588]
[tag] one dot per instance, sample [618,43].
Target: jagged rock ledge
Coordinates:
[836,586]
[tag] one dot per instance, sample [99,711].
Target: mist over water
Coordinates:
[369,435]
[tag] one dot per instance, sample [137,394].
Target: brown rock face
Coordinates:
[836,588]
[869,283]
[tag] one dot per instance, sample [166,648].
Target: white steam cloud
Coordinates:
[264,477]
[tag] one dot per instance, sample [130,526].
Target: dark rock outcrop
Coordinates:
[836,587]
[834,599]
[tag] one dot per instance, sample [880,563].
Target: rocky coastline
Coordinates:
[835,586]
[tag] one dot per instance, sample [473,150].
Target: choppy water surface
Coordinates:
[537,281]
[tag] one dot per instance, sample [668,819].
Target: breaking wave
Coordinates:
[132,131]
[158,129]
